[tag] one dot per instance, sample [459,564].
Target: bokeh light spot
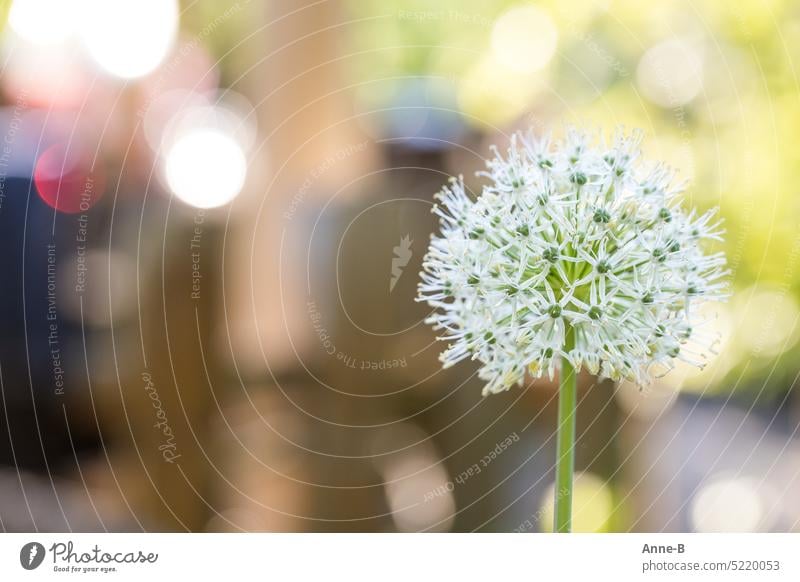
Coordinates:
[42,22]
[206,168]
[727,505]
[592,505]
[670,74]
[524,39]
[129,38]
[65,179]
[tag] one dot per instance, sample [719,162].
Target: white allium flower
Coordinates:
[574,249]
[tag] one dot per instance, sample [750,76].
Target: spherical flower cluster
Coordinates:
[575,249]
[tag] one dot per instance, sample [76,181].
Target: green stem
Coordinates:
[565,442]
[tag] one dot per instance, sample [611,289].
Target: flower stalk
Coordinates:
[565,440]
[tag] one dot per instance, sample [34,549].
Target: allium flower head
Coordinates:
[575,249]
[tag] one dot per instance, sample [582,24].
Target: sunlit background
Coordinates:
[212,217]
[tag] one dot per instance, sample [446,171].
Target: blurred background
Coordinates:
[212,217]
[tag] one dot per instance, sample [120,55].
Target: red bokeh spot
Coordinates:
[65,179]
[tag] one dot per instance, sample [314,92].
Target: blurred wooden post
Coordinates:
[305,117]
